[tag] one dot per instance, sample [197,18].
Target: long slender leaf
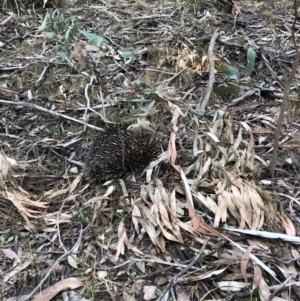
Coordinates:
[250,61]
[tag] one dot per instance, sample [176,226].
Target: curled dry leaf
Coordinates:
[5,167]
[257,276]
[244,263]
[11,255]
[48,293]
[101,274]
[206,275]
[123,240]
[78,54]
[18,268]
[137,287]
[72,262]
[264,292]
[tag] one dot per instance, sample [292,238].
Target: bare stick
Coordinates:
[39,108]
[203,103]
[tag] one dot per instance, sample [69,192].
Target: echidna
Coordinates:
[118,151]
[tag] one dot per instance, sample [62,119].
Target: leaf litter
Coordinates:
[209,181]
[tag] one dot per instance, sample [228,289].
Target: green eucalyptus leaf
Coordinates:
[49,35]
[10,239]
[128,54]
[231,72]
[141,124]
[67,46]
[136,50]
[250,61]
[62,55]
[67,34]
[94,39]
[44,23]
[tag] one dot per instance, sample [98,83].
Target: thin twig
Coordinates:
[42,109]
[247,94]
[204,101]
[150,261]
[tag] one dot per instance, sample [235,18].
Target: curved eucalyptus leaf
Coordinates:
[250,61]
[231,72]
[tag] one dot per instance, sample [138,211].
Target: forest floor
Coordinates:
[206,220]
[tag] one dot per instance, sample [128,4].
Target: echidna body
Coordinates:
[118,151]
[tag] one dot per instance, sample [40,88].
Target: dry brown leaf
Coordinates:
[121,240]
[236,11]
[258,207]
[257,243]
[250,153]
[48,293]
[173,205]
[137,287]
[161,210]
[18,268]
[244,262]
[181,293]
[72,262]
[238,201]
[5,167]
[161,243]
[234,207]
[12,255]
[206,275]
[206,201]
[172,152]
[227,257]
[288,225]
[262,130]
[224,181]
[160,62]
[75,182]
[136,213]
[257,276]
[78,54]
[198,224]
[21,202]
[264,292]
[57,217]
[64,91]
[221,212]
[57,193]
[134,249]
